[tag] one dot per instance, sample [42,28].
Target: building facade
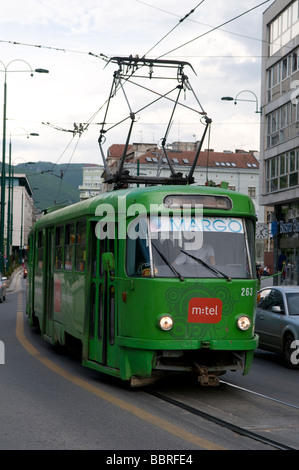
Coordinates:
[92,184]
[239,169]
[22,215]
[279,155]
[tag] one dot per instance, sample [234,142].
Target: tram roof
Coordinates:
[242,204]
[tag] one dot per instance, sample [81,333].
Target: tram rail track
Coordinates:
[157,394]
[223,423]
[291,405]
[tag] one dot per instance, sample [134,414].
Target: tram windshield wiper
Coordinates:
[206,265]
[168,263]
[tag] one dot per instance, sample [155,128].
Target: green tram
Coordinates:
[149,281]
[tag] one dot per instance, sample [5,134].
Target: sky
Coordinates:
[71,39]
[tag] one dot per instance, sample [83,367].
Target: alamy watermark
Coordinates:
[295,354]
[160,222]
[295,93]
[2,353]
[112,217]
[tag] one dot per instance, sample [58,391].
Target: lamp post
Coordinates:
[21,243]
[236,99]
[3,174]
[10,197]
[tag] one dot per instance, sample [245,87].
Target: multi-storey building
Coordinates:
[239,169]
[92,181]
[279,149]
[22,214]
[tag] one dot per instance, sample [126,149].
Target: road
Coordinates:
[49,401]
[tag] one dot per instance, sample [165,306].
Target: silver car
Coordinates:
[277,322]
[2,287]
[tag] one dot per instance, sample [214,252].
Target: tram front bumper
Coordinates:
[140,357]
[192,344]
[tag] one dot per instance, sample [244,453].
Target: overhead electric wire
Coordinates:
[159,42]
[210,26]
[181,21]
[185,17]
[68,164]
[102,56]
[42,46]
[214,29]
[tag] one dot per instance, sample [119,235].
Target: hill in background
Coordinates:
[53,184]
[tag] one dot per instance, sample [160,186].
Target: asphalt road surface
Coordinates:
[49,401]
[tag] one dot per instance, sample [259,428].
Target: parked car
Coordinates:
[25,272]
[2,287]
[277,322]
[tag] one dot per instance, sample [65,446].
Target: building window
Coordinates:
[293,181]
[283,28]
[287,67]
[278,125]
[251,191]
[281,172]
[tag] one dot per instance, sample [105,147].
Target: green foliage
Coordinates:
[53,184]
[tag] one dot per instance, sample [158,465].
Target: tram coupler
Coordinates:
[205,379]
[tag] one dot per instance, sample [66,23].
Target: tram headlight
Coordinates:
[244,322]
[166,322]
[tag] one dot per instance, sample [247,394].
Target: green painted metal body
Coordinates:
[115,316]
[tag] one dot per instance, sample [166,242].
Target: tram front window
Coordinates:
[216,247]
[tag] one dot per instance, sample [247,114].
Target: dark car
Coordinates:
[25,272]
[277,322]
[2,287]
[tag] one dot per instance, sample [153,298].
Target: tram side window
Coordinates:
[80,245]
[59,243]
[251,243]
[69,247]
[40,251]
[138,261]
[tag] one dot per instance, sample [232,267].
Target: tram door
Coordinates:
[102,324]
[48,284]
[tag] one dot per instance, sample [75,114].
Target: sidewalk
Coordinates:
[11,282]
[266,282]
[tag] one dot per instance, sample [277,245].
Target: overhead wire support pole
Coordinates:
[132,116]
[111,94]
[190,175]
[180,87]
[127,66]
[102,131]
[195,96]
[106,167]
[122,161]
[141,109]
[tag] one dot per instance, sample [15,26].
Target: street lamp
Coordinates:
[2,209]
[236,99]
[10,196]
